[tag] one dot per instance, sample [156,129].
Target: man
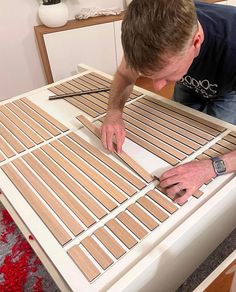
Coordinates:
[193,45]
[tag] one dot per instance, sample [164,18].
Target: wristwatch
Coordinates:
[218,165]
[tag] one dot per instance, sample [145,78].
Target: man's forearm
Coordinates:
[230,161]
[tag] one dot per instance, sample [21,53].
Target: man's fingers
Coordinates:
[109,137]
[169,181]
[120,138]
[182,199]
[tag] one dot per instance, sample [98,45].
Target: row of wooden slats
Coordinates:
[23,125]
[71,172]
[92,104]
[93,254]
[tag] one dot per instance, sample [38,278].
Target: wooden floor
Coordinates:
[147,84]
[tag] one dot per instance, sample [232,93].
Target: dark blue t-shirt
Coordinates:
[213,71]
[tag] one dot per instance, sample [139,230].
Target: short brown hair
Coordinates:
[152,28]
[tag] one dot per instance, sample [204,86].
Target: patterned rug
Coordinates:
[20,268]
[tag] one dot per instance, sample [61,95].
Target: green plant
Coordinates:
[51,2]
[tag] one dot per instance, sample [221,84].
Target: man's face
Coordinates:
[177,66]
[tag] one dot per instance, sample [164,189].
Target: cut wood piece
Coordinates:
[150,223]
[220,149]
[45,115]
[198,194]
[29,121]
[22,126]
[82,107]
[46,216]
[86,169]
[162,201]
[55,90]
[11,140]
[62,193]
[49,198]
[97,252]
[227,144]
[16,131]
[114,178]
[133,225]
[38,118]
[82,214]
[109,242]
[125,157]
[109,162]
[84,263]
[2,158]
[212,153]
[121,233]
[100,81]
[6,149]
[230,138]
[153,209]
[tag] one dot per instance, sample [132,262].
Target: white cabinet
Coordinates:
[98,46]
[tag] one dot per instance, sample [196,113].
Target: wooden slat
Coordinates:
[109,242]
[126,158]
[22,126]
[176,119]
[2,158]
[121,233]
[62,193]
[29,121]
[45,115]
[84,263]
[83,215]
[88,170]
[222,150]
[16,132]
[133,226]
[211,153]
[11,140]
[109,162]
[162,129]
[158,143]
[153,209]
[120,183]
[53,225]
[86,183]
[81,82]
[152,148]
[198,194]
[44,123]
[55,90]
[162,201]
[82,107]
[48,197]
[230,138]
[6,149]
[227,144]
[97,252]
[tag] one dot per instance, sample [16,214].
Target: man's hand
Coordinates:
[113,126]
[187,179]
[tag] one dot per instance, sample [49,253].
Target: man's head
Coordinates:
[154,32]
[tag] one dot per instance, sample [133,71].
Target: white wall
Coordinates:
[21,69]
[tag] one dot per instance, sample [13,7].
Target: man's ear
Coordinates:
[197,41]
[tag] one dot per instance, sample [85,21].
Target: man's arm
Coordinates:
[191,176]
[113,125]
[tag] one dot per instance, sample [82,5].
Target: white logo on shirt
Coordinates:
[202,87]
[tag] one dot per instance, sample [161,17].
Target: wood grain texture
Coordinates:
[153,209]
[162,201]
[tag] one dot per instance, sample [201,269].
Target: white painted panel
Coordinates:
[92,45]
[119,49]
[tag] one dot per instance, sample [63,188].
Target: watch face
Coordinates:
[219,166]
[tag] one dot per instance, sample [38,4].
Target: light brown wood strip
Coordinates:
[161,138]
[6,149]
[227,144]
[126,158]
[121,233]
[86,183]
[109,162]
[176,120]
[233,134]
[152,148]
[109,242]
[83,215]
[162,201]
[70,86]
[162,129]
[97,252]
[45,115]
[90,82]
[153,209]
[2,158]
[83,85]
[222,150]
[230,138]
[90,104]
[132,225]
[169,122]
[120,183]
[208,126]
[100,81]
[63,88]
[30,122]
[82,107]
[84,263]
[198,194]
[102,97]
[202,157]
[77,85]
[55,90]
[22,126]
[48,197]
[49,220]
[211,153]
[13,142]
[62,193]
[44,123]
[103,78]
[88,170]
[16,131]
